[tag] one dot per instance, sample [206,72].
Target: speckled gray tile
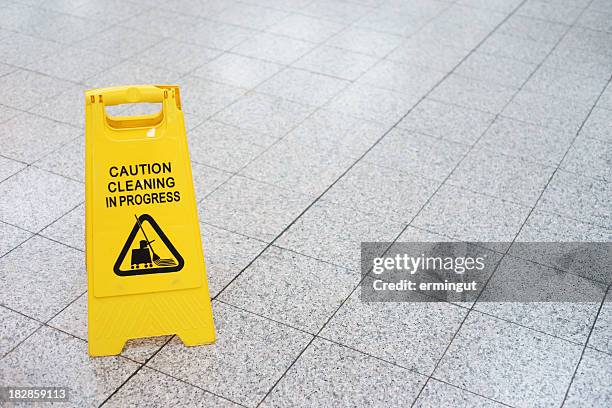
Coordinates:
[237,70]
[566,85]
[597,42]
[250,355]
[206,179]
[11,237]
[163,390]
[336,62]
[119,42]
[34,198]
[291,288]
[328,130]
[470,216]
[56,359]
[335,10]
[69,229]
[591,385]
[601,336]
[130,72]
[73,320]
[413,335]
[334,233]
[589,157]
[252,208]
[270,47]
[510,178]
[264,114]
[547,227]
[302,86]
[382,191]
[8,167]
[185,57]
[450,122]
[291,165]
[28,138]
[548,11]
[430,53]
[214,34]
[15,328]
[499,70]
[370,103]
[417,154]
[21,50]
[606,98]
[578,197]
[509,363]
[547,111]
[598,125]
[533,29]
[205,98]
[520,49]
[166,23]
[306,28]
[226,254]
[560,304]
[464,37]
[596,20]
[25,89]
[409,79]
[6,113]
[581,62]
[437,394]
[364,41]
[470,93]
[68,160]
[67,107]
[530,142]
[330,374]
[480,17]
[251,16]
[393,22]
[55,276]
[222,146]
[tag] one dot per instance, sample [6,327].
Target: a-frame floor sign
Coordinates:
[145,263]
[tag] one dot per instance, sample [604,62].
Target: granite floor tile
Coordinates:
[274,48]
[206,179]
[527,141]
[590,386]
[185,57]
[370,103]
[335,10]
[165,391]
[306,28]
[547,111]
[66,107]
[470,216]
[336,62]
[542,298]
[214,34]
[165,23]
[25,89]
[69,229]
[223,146]
[56,359]
[302,86]
[598,125]
[205,98]
[68,160]
[533,29]
[334,233]
[251,16]
[253,208]
[430,54]
[237,70]
[589,157]
[509,178]
[292,166]
[417,154]
[291,288]
[62,28]
[226,254]
[21,50]
[110,11]
[605,101]
[545,10]
[328,373]
[413,335]
[8,167]
[450,122]
[581,62]
[11,237]
[441,395]
[264,114]
[475,94]
[5,112]
[119,42]
[408,79]
[250,355]
[15,329]
[565,85]
[392,22]
[509,363]
[34,198]
[382,191]
[578,197]
[55,276]
[464,37]
[364,41]
[512,46]
[597,42]
[130,72]
[498,70]
[601,336]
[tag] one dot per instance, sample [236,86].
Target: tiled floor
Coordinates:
[315,125]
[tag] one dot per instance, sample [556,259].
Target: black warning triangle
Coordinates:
[144,260]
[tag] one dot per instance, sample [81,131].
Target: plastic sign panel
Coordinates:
[145,265]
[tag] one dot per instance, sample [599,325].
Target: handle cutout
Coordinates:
[134,115]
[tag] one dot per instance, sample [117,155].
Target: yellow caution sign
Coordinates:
[145,266]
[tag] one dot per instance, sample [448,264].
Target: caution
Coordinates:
[145,263]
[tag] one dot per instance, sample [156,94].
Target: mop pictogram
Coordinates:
[143,258]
